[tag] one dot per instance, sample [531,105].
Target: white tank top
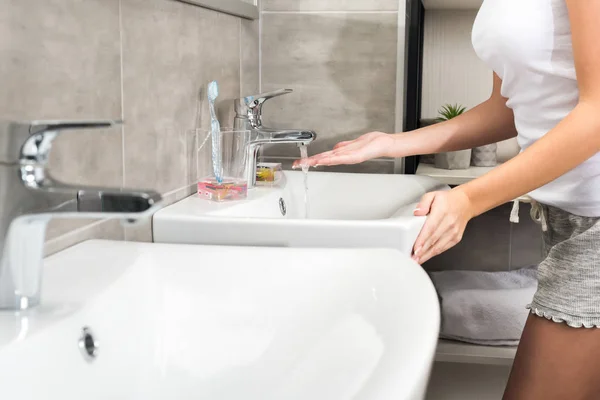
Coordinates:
[528,44]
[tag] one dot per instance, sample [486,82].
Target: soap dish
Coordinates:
[268,174]
[228,189]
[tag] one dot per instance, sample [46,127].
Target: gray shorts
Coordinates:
[569,277]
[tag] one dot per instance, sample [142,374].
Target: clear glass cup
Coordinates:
[231,150]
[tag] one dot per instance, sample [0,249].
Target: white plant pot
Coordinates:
[453,159]
[485,156]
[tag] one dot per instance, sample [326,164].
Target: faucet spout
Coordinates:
[272,136]
[30,197]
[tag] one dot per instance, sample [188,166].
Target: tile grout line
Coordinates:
[123,178]
[330,12]
[241,63]
[122,91]
[174,191]
[260,40]
[76,231]
[400,64]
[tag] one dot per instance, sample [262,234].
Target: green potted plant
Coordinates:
[452,159]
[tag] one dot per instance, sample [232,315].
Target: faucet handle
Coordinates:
[257,99]
[251,106]
[32,141]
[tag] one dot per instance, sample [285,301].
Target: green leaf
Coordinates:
[449,111]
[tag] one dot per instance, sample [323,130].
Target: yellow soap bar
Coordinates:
[268,172]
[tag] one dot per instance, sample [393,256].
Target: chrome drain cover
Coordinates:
[88,344]
[282,206]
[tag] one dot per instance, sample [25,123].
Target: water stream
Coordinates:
[304,156]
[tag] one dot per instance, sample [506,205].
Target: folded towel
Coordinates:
[485,307]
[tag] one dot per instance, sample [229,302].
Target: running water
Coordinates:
[304,156]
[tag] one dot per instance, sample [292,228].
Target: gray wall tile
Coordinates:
[62,61]
[110,230]
[342,68]
[330,5]
[250,58]
[140,231]
[526,245]
[171,51]
[492,243]
[485,245]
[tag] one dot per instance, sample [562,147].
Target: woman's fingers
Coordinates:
[360,139]
[424,206]
[446,242]
[448,214]
[338,159]
[343,144]
[311,161]
[351,154]
[347,152]
[318,159]
[431,225]
[438,235]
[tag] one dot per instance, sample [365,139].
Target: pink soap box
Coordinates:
[229,189]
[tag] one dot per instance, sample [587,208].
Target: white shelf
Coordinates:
[457,352]
[452,176]
[452,4]
[456,176]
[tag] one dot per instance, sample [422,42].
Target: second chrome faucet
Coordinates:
[248,116]
[30,197]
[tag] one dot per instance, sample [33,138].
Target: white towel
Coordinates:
[485,307]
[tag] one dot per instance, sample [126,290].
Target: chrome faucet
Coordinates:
[30,197]
[248,117]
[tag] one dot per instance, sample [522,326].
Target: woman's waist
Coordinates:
[577,191]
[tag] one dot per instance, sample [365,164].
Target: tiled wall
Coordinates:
[340,58]
[144,61]
[492,243]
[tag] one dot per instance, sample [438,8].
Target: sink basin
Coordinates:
[223,323]
[345,210]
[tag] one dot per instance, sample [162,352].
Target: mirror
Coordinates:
[240,8]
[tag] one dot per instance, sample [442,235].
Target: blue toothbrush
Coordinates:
[213,93]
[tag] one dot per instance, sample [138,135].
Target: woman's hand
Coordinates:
[366,147]
[447,216]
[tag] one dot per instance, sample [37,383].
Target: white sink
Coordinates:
[346,210]
[223,323]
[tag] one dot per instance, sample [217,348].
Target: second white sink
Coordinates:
[183,322]
[345,210]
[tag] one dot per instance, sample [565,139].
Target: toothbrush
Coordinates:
[213,93]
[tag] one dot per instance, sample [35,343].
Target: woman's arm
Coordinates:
[489,122]
[570,143]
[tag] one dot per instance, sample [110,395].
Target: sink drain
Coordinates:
[88,344]
[282,207]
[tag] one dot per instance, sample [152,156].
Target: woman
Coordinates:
[546,60]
